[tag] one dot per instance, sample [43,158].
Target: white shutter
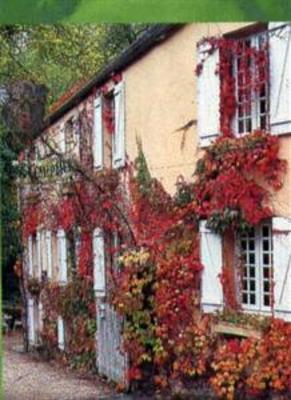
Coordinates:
[211,259]
[208,95]
[30,261]
[119,123]
[76,136]
[282,267]
[280,77]
[48,245]
[62,139]
[61,333]
[30,321]
[38,255]
[99,262]
[62,256]
[98,134]
[40,316]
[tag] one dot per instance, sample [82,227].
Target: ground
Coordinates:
[26,378]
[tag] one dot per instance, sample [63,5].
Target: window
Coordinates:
[251,84]
[109,128]
[257,255]
[258,65]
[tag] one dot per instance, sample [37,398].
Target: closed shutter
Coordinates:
[98,134]
[48,245]
[211,259]
[99,262]
[62,256]
[208,95]
[30,261]
[280,77]
[38,255]
[119,124]
[30,321]
[61,333]
[282,267]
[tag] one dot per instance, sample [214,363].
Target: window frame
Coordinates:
[259,265]
[255,113]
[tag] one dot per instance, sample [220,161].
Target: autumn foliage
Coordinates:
[235,179]
[155,284]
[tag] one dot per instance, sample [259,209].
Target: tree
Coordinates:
[54,56]
[60,55]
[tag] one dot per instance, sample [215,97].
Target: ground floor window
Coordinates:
[256,247]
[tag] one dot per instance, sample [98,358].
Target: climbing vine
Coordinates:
[234,178]
[75,303]
[156,283]
[251,76]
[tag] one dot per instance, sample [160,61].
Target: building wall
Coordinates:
[161,99]
[161,111]
[282,199]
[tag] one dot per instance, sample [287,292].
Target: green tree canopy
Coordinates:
[59,55]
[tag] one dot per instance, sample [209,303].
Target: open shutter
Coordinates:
[208,95]
[40,316]
[99,262]
[98,134]
[280,77]
[282,267]
[48,245]
[119,123]
[76,135]
[62,139]
[211,259]
[30,321]
[38,254]
[62,256]
[61,333]
[30,262]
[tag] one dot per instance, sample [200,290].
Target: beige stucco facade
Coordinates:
[161,99]
[161,109]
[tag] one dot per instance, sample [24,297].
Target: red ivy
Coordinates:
[233,176]
[66,213]
[253,70]
[85,255]
[31,219]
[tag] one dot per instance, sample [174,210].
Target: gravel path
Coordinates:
[28,379]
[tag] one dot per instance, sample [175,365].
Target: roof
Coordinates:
[137,49]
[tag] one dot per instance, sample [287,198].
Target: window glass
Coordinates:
[256,255]
[252,91]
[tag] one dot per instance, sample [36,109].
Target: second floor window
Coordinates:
[250,71]
[109,129]
[243,82]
